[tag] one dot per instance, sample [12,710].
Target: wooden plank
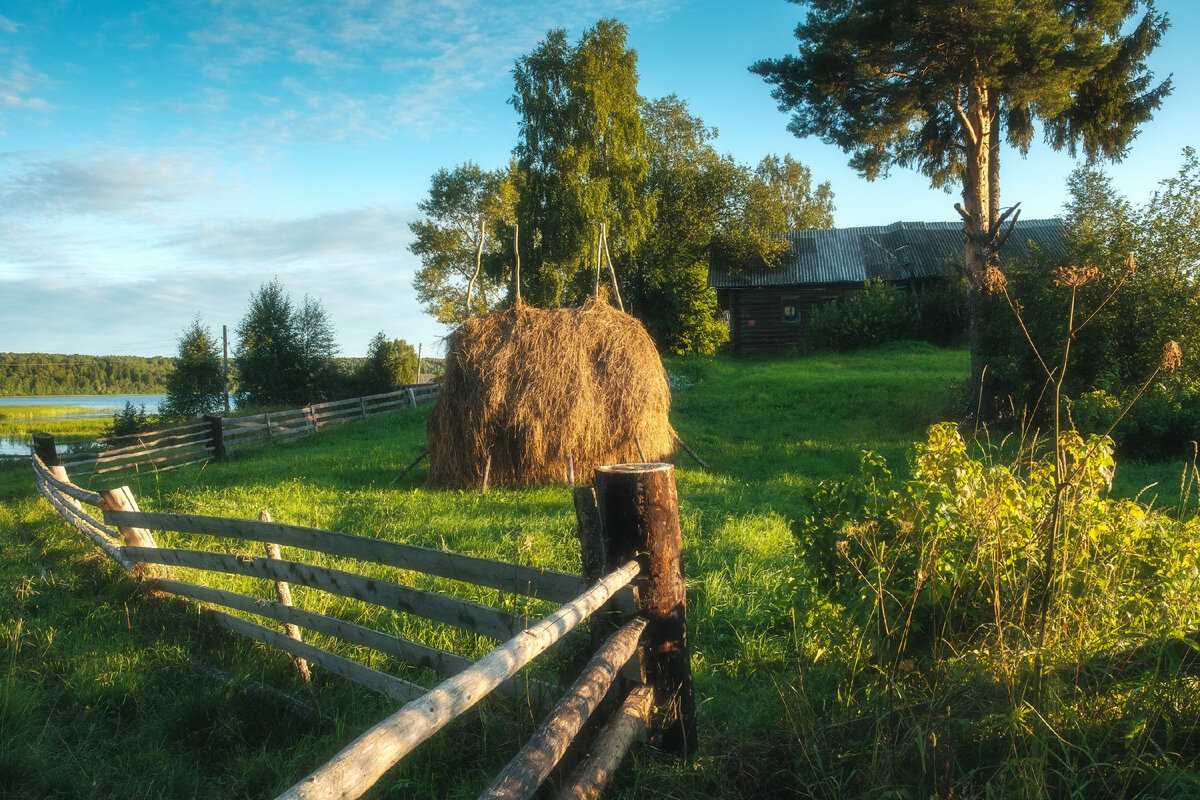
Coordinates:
[67,488]
[333,404]
[484,620]
[88,526]
[545,584]
[392,394]
[373,679]
[364,761]
[157,444]
[541,754]
[128,455]
[150,462]
[415,653]
[192,426]
[611,746]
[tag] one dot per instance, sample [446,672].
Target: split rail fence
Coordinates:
[632,585]
[214,436]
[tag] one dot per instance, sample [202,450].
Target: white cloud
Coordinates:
[113,185]
[339,238]
[368,67]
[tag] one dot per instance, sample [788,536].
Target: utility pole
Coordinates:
[419,346]
[225,364]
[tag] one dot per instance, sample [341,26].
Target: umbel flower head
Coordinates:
[994,281]
[1074,276]
[1172,356]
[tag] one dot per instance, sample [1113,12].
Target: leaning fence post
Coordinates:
[412,397]
[47,451]
[216,435]
[284,592]
[121,499]
[639,518]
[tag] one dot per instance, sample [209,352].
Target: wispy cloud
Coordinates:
[350,237]
[365,68]
[113,185]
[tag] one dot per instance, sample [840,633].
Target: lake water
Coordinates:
[94,405]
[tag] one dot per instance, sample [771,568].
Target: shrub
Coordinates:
[954,559]
[131,419]
[877,314]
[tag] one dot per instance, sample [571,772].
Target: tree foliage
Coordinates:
[42,374]
[583,153]
[706,200]
[390,363]
[937,85]
[460,230]
[197,383]
[284,355]
[591,151]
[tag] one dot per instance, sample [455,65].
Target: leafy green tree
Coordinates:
[317,341]
[284,355]
[705,200]
[463,211]
[390,363]
[583,154]
[197,383]
[938,84]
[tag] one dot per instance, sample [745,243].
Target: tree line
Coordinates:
[606,191]
[45,374]
[285,355]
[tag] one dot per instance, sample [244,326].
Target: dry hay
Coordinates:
[535,386]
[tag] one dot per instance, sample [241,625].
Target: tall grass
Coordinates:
[97,698]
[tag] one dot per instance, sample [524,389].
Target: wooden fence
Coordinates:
[198,442]
[630,539]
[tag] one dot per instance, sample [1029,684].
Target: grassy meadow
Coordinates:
[99,696]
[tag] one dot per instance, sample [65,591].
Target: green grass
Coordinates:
[67,423]
[97,699]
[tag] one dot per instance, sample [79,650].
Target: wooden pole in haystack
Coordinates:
[517,262]
[612,272]
[639,518]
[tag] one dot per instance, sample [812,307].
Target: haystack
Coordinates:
[535,387]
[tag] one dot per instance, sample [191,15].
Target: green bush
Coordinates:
[1128,285]
[131,419]
[879,313]
[954,559]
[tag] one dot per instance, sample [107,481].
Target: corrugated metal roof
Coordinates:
[893,252]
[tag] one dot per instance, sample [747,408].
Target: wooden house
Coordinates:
[768,308]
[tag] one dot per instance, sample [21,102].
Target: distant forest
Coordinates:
[42,374]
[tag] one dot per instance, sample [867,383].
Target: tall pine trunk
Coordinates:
[981,210]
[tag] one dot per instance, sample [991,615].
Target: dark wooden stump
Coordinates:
[639,518]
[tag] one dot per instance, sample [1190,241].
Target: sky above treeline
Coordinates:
[163,160]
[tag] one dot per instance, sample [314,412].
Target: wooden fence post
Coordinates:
[412,397]
[121,499]
[43,445]
[639,518]
[284,592]
[47,451]
[216,435]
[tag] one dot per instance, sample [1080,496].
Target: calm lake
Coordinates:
[95,405]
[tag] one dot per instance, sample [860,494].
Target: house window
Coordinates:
[790,309]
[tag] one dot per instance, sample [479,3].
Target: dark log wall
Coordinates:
[756,323]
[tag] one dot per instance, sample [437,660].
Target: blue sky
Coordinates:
[160,160]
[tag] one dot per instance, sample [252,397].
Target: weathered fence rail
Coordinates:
[629,531]
[198,442]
